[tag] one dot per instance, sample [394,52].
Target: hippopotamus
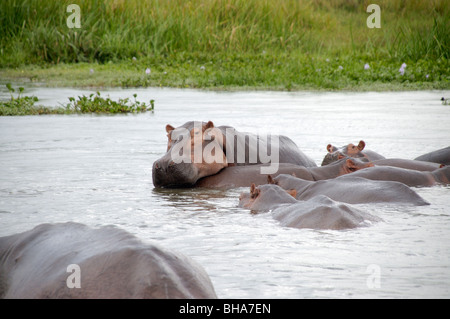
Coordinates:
[350,189]
[273,196]
[199,149]
[441,156]
[406,176]
[407,163]
[319,212]
[72,260]
[244,176]
[335,153]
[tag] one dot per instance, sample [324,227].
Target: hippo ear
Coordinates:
[270,180]
[361,145]
[169,128]
[208,125]
[292,192]
[330,148]
[254,192]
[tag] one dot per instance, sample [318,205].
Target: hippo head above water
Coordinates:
[335,153]
[349,150]
[357,151]
[266,197]
[199,149]
[194,150]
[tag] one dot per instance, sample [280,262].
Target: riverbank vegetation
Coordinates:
[228,44]
[94,103]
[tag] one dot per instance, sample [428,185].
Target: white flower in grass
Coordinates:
[402,69]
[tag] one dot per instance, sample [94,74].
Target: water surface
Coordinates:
[96,170]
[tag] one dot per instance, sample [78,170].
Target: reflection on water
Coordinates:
[199,199]
[96,170]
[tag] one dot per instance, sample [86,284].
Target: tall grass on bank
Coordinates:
[35,31]
[243,39]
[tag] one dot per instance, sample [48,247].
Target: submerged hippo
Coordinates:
[350,189]
[199,149]
[319,212]
[357,151]
[244,176]
[272,197]
[441,156]
[406,176]
[71,260]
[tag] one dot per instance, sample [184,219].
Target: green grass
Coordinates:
[223,44]
[94,103]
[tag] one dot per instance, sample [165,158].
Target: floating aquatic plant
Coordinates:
[95,103]
[22,105]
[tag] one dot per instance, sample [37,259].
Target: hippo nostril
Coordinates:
[157,166]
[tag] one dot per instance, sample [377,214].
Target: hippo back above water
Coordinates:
[199,149]
[441,156]
[241,176]
[111,263]
[319,212]
[351,189]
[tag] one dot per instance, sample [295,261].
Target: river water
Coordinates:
[96,170]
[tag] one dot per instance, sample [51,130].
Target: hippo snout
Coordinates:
[169,174]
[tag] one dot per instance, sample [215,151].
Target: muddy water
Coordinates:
[96,170]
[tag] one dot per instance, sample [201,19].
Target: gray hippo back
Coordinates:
[109,262]
[321,212]
[441,156]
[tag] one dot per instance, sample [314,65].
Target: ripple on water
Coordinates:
[97,171]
